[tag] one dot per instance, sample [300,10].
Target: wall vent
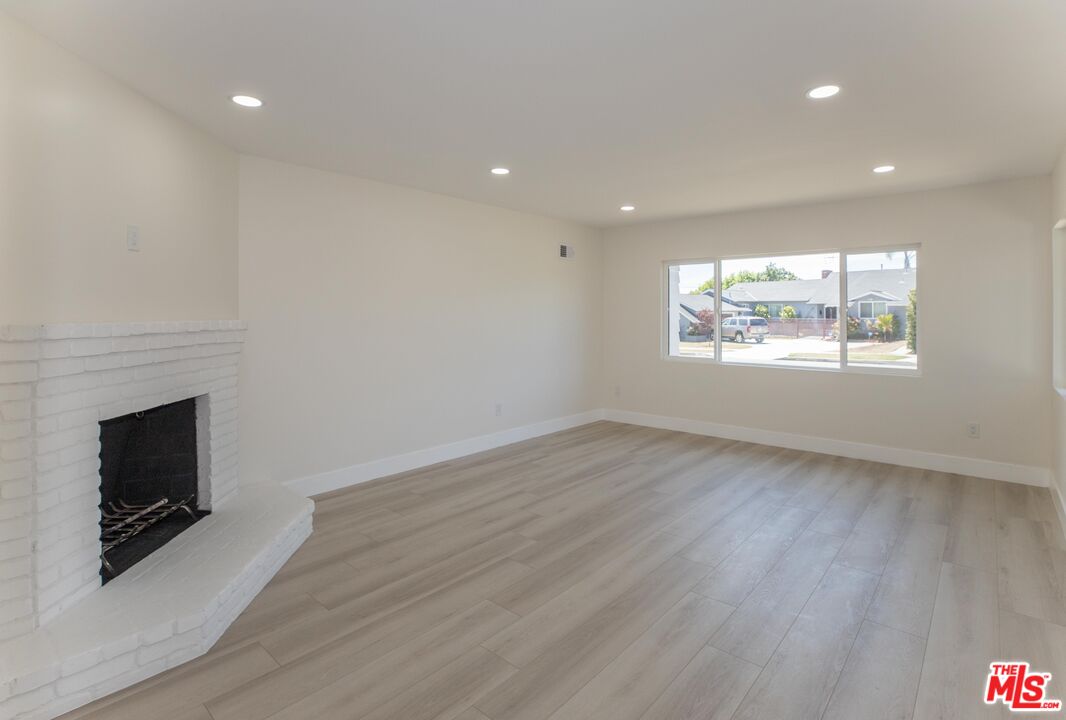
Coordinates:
[566,252]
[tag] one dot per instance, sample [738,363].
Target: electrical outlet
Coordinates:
[973,430]
[499,409]
[133,238]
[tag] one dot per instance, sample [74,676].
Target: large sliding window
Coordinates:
[786,310]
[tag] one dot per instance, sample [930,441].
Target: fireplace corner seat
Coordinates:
[168,609]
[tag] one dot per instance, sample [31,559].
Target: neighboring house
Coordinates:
[776,294]
[872,293]
[691,305]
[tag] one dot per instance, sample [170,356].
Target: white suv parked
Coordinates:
[738,329]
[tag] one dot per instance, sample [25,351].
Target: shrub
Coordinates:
[761,311]
[788,313]
[706,322]
[912,321]
[887,327]
[856,329]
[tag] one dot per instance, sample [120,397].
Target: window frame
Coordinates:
[843,367]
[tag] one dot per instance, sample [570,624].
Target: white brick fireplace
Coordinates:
[57,382]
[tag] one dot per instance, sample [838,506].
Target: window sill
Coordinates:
[848,370]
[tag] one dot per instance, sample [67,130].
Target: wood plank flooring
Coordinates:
[614,572]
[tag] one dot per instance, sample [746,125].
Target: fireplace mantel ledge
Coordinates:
[76,331]
[166,610]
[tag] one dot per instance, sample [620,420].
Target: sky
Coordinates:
[805,266]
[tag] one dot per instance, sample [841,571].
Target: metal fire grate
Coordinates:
[121,522]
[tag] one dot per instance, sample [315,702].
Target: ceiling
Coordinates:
[679,107]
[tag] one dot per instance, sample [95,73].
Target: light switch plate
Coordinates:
[133,238]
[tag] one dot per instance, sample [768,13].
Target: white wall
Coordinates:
[81,157]
[384,320]
[984,267]
[1058,212]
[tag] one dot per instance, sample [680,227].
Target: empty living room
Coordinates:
[499,360]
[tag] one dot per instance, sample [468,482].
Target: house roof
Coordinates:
[776,291]
[890,285]
[705,301]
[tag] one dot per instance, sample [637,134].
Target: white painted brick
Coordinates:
[16,410]
[14,430]
[53,349]
[56,331]
[20,333]
[55,441]
[130,344]
[16,589]
[77,418]
[14,549]
[46,425]
[18,372]
[15,528]
[74,664]
[19,351]
[90,346]
[60,404]
[96,674]
[15,567]
[14,508]
[16,628]
[81,451]
[15,489]
[15,450]
[13,609]
[28,702]
[132,359]
[66,384]
[96,363]
[114,377]
[61,366]
[15,392]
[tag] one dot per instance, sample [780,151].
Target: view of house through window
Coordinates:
[786,310]
[883,309]
[783,310]
[691,310]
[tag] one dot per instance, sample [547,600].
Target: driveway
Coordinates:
[805,352]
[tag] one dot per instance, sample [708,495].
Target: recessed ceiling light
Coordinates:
[500,171]
[247,101]
[628,208]
[882,169]
[823,91]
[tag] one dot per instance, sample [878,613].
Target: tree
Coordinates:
[771,273]
[907,258]
[912,321]
[706,322]
[762,311]
[788,313]
[886,326]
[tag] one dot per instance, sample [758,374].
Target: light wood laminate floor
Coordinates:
[623,573]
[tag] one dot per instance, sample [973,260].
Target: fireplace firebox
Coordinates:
[148,483]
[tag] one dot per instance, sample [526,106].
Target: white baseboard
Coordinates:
[1060,505]
[1025,474]
[355,474]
